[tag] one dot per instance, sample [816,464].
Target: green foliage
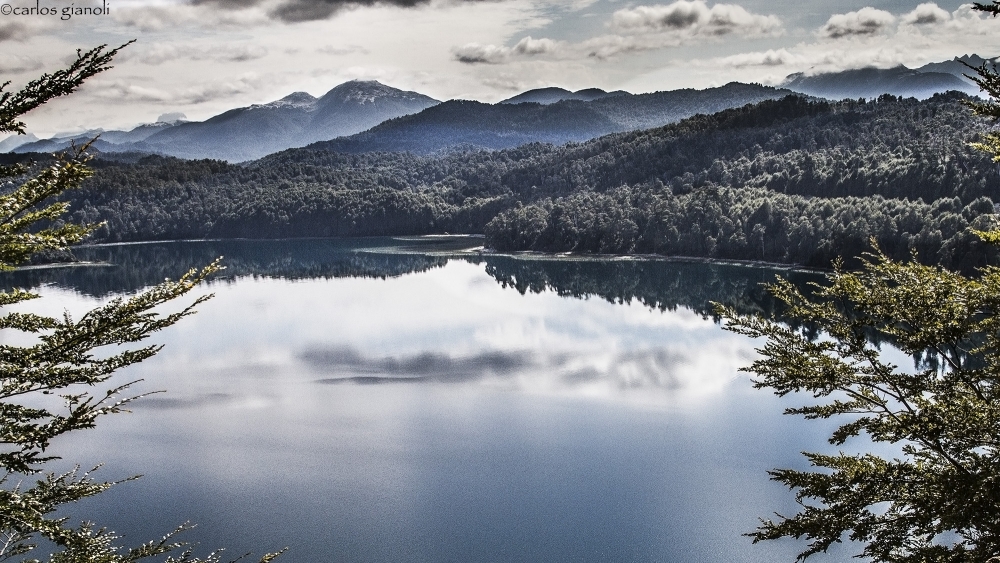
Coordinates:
[746,224]
[939,500]
[60,382]
[48,86]
[988,80]
[23,208]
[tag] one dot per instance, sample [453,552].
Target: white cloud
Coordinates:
[694,17]
[492,54]
[130,91]
[926,14]
[11,63]
[472,53]
[339,51]
[771,57]
[529,46]
[866,21]
[643,28]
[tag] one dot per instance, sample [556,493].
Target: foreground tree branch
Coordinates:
[60,383]
[939,500]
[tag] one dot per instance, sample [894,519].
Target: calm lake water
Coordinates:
[400,400]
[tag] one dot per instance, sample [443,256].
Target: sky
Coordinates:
[203,57]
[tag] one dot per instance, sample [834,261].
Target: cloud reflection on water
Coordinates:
[655,369]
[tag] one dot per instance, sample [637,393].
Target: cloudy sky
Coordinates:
[201,57]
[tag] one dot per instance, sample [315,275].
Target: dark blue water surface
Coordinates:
[385,400]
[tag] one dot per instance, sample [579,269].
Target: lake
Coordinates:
[412,400]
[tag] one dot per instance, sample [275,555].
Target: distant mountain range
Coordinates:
[255,131]
[462,124]
[369,116]
[869,83]
[364,116]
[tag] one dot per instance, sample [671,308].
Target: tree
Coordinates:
[937,499]
[59,383]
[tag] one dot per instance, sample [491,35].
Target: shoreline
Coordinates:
[471,251]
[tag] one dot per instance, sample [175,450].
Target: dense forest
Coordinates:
[788,180]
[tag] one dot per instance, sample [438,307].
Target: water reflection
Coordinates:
[544,427]
[661,284]
[126,268]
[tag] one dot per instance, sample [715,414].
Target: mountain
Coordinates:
[137,134]
[238,134]
[255,131]
[106,141]
[462,124]
[14,141]
[957,66]
[634,112]
[357,106]
[871,83]
[553,94]
[293,121]
[465,124]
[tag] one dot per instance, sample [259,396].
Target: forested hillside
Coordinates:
[786,181]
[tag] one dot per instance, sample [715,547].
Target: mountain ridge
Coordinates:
[359,116]
[254,131]
[465,124]
[870,82]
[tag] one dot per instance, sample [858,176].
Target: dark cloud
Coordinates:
[12,31]
[475,53]
[681,17]
[227,4]
[292,11]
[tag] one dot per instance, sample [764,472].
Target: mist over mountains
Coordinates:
[921,83]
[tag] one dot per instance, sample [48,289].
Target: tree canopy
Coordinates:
[936,496]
